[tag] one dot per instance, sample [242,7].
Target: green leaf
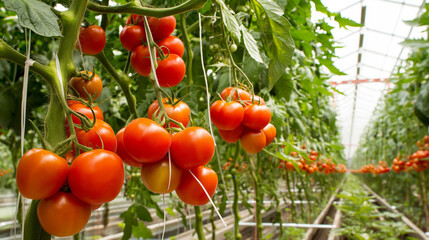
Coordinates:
[276,37]
[229,20]
[344,22]
[170,211]
[415,43]
[33,230]
[284,87]
[421,106]
[36,16]
[330,65]
[420,21]
[129,221]
[143,214]
[303,34]
[206,6]
[141,231]
[251,45]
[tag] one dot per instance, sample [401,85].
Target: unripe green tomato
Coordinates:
[233,47]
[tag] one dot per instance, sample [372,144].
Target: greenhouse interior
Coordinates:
[307,119]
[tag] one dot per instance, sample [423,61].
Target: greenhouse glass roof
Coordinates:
[368,56]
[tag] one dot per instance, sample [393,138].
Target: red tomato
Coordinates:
[173,44]
[93,87]
[257,100]
[159,27]
[226,115]
[171,71]
[140,60]
[234,94]
[120,150]
[96,176]
[132,36]
[231,136]
[312,152]
[63,214]
[179,112]
[91,40]
[192,147]
[155,176]
[101,136]
[81,108]
[191,192]
[40,173]
[146,140]
[256,117]
[270,133]
[253,141]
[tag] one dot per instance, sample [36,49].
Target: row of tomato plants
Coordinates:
[397,137]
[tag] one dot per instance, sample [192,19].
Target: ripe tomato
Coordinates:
[81,108]
[312,157]
[146,141]
[96,176]
[120,150]
[63,214]
[40,173]
[101,136]
[253,141]
[132,36]
[155,176]
[171,71]
[159,27]
[234,94]
[179,112]
[94,86]
[270,133]
[173,44]
[91,40]
[315,153]
[192,147]
[140,60]
[256,117]
[191,192]
[257,100]
[226,115]
[231,136]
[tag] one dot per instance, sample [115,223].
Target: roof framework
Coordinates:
[368,56]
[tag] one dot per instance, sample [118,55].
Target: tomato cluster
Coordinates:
[68,194]
[417,161]
[170,161]
[316,164]
[238,116]
[171,67]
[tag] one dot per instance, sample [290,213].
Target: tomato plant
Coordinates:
[96,176]
[180,112]
[89,84]
[40,174]
[190,191]
[100,136]
[145,132]
[63,214]
[156,176]
[192,147]
[92,40]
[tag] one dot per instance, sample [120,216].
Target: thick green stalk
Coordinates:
[189,52]
[258,199]
[291,197]
[199,223]
[134,7]
[235,210]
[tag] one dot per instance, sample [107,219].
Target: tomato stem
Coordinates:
[123,80]
[189,52]
[134,7]
[199,223]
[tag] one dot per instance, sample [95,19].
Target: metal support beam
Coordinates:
[359,81]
